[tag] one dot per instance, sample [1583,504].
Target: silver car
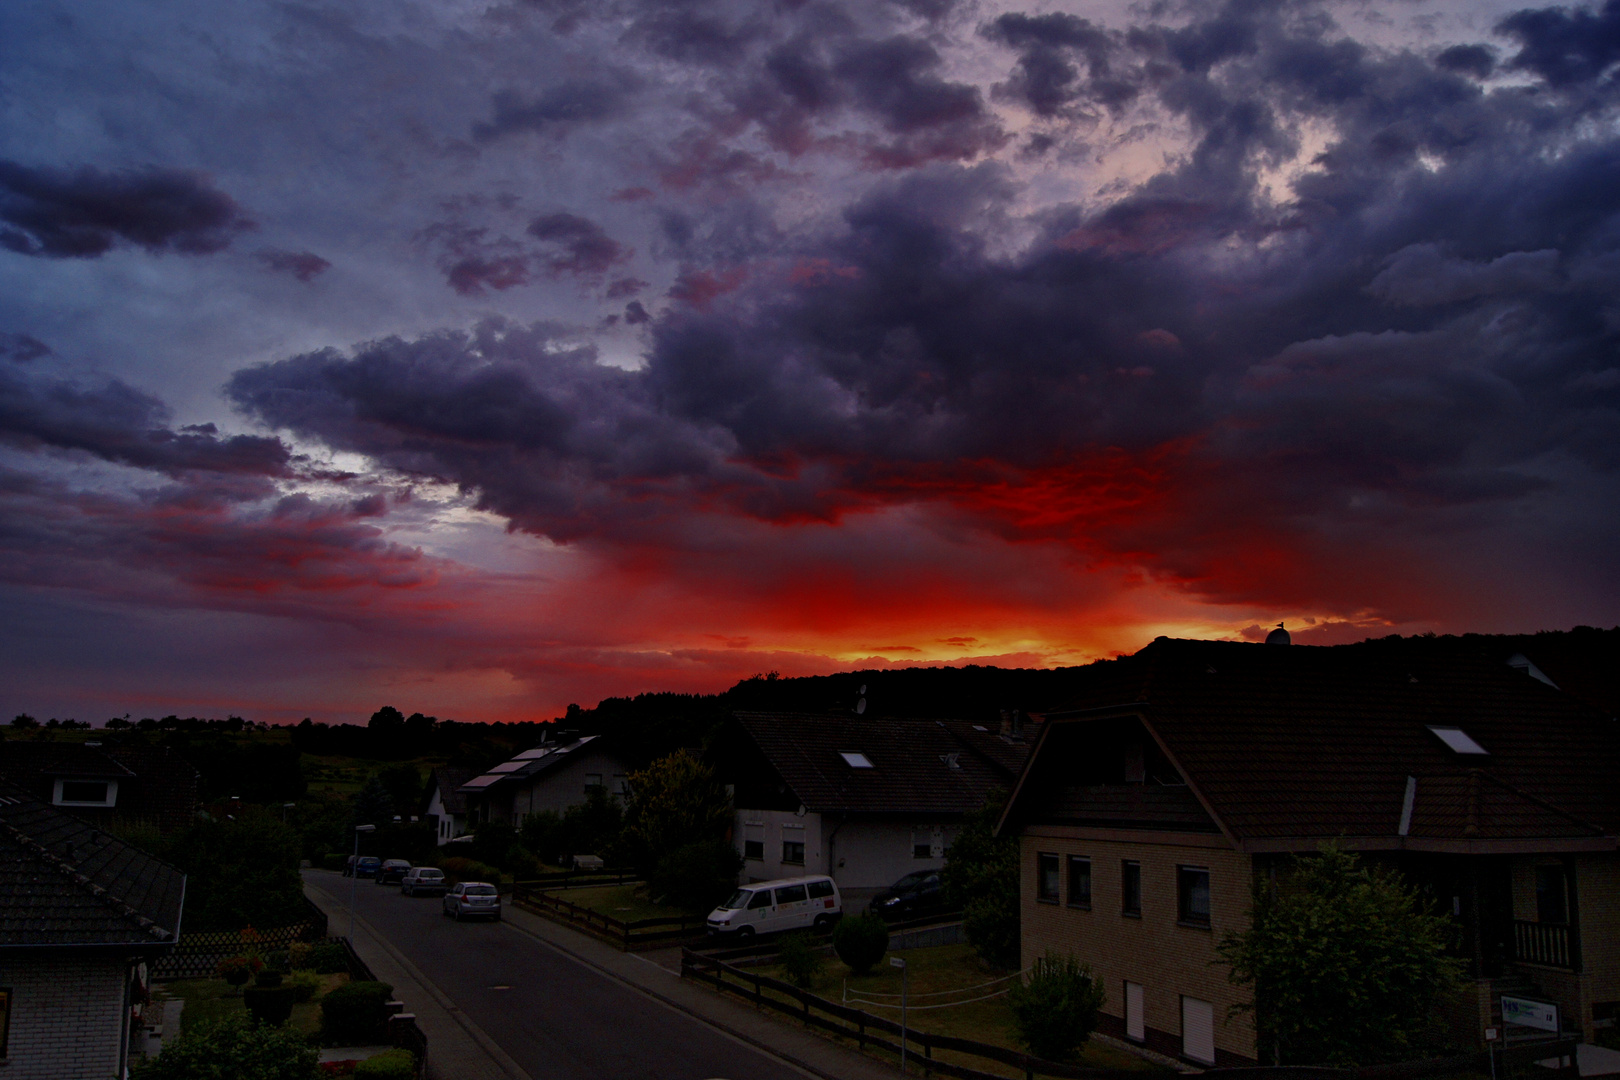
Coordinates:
[423,881]
[473,898]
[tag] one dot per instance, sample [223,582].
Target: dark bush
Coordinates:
[1055,1008]
[269,1004]
[860,941]
[800,958]
[303,985]
[354,1014]
[328,958]
[696,876]
[388,1065]
[232,1048]
[457,869]
[334,860]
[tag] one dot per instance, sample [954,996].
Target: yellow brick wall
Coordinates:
[1169,960]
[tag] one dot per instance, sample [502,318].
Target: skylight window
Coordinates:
[1458,740]
[855,760]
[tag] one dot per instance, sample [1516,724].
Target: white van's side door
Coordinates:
[792,907]
[759,911]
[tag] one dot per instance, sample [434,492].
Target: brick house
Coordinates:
[552,776]
[866,800]
[1151,805]
[82,915]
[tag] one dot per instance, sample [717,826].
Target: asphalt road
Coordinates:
[558,1018]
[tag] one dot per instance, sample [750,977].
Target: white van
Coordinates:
[766,907]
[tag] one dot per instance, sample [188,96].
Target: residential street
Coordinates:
[556,1017]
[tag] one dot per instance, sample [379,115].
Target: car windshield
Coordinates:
[911,880]
[738,899]
[370,860]
[480,890]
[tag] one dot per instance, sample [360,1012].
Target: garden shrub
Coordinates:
[235,1049]
[328,957]
[303,985]
[800,959]
[354,1014]
[334,860]
[860,941]
[388,1065]
[696,876]
[457,868]
[1055,1008]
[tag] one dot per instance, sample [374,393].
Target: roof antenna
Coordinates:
[1279,636]
[860,702]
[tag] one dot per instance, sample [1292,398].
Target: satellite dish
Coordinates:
[860,707]
[863,689]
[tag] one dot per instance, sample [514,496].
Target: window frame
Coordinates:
[787,856]
[1071,864]
[109,795]
[1130,870]
[1552,872]
[1041,894]
[1185,887]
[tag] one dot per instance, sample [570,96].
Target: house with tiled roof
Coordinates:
[131,784]
[1152,803]
[864,799]
[550,777]
[82,915]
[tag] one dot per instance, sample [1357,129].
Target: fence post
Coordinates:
[928,1057]
[862,1013]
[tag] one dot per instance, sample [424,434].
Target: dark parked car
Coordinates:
[367,866]
[423,881]
[918,893]
[392,871]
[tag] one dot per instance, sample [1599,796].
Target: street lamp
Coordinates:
[354,874]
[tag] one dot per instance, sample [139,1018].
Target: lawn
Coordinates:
[952,968]
[213,999]
[627,903]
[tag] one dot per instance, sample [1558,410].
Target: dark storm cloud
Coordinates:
[579,246]
[86,212]
[1477,61]
[117,423]
[22,348]
[303,265]
[1424,325]
[1565,46]
[475,259]
[555,109]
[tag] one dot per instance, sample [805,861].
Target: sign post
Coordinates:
[899,962]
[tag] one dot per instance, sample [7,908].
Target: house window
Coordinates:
[1198,1030]
[621,784]
[1046,878]
[1552,905]
[1130,888]
[1135,1025]
[927,843]
[5,1020]
[1192,895]
[592,780]
[1079,882]
[754,840]
[793,852]
[86,793]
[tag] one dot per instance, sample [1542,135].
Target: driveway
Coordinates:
[549,1013]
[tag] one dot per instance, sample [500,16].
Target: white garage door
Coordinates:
[1198,1030]
[1135,1026]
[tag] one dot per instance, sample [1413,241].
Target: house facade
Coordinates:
[82,915]
[443,803]
[864,800]
[552,776]
[1150,807]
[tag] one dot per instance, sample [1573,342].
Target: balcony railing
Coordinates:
[1542,943]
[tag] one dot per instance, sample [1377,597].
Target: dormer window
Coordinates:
[855,760]
[1458,740]
[85,793]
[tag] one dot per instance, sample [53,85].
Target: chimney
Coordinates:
[1006,723]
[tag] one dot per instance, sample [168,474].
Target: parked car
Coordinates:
[393,871]
[423,881]
[766,907]
[367,866]
[473,898]
[918,893]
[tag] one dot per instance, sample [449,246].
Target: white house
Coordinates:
[445,805]
[866,800]
[552,776]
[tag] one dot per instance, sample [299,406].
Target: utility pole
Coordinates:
[354,874]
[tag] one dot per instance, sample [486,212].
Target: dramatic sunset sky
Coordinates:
[479,357]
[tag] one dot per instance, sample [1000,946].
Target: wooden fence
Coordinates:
[629,936]
[197,956]
[868,1030]
[579,879]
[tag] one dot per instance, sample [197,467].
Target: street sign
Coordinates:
[1492,1034]
[895,961]
[1541,1015]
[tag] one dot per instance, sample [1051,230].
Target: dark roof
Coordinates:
[911,760]
[154,783]
[1006,752]
[449,778]
[64,883]
[64,760]
[1285,744]
[532,763]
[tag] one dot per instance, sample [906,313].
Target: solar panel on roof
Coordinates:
[508,766]
[530,755]
[1458,740]
[482,781]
